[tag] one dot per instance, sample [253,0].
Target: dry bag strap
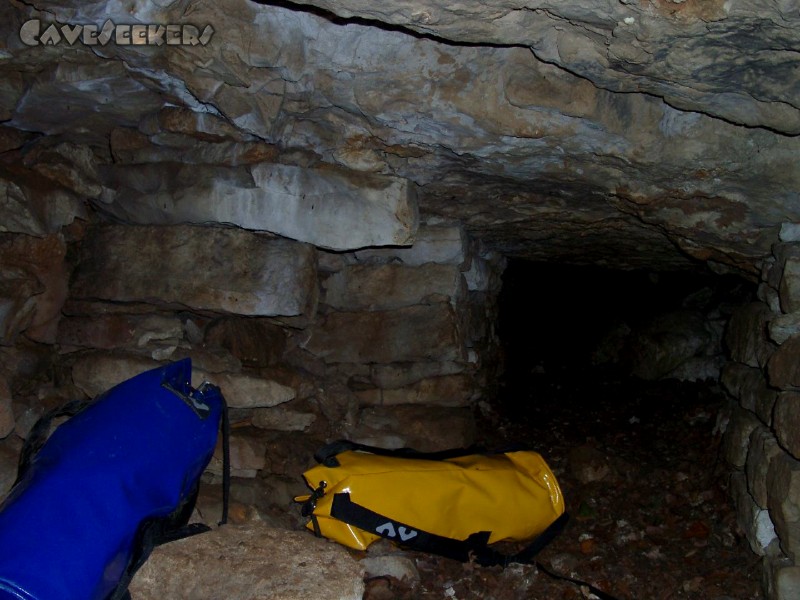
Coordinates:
[474,547]
[328,453]
[39,433]
[347,511]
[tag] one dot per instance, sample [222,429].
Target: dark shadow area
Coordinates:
[613,378]
[559,319]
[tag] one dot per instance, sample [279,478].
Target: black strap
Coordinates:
[41,430]
[226,460]
[327,454]
[475,547]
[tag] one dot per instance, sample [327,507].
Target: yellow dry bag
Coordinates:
[452,503]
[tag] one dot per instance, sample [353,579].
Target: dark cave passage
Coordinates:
[589,355]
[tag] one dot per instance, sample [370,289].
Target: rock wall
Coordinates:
[762,440]
[390,346]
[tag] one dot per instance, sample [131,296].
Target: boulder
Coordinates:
[249,562]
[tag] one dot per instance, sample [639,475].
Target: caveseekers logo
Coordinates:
[32,34]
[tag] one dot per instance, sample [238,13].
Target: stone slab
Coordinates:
[448,390]
[790,285]
[385,287]
[32,205]
[33,286]
[338,210]
[416,333]
[250,562]
[782,327]
[749,386]
[746,335]
[444,244]
[787,422]
[97,372]
[109,332]
[396,375]
[784,366]
[763,448]
[737,437]
[206,268]
[425,428]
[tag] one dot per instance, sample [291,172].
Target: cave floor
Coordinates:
[640,467]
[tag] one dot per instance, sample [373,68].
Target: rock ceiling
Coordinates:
[650,133]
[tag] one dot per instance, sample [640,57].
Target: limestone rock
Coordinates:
[782,327]
[763,448]
[98,372]
[781,579]
[75,96]
[787,583]
[7,422]
[224,270]
[110,332]
[280,419]
[749,386]
[416,333]
[580,143]
[70,165]
[754,521]
[783,481]
[33,286]
[784,366]
[424,428]
[249,562]
[399,567]
[246,391]
[669,342]
[787,422]
[255,342]
[448,390]
[330,209]
[443,244]
[9,460]
[790,232]
[31,205]
[402,374]
[247,453]
[385,287]
[737,437]
[790,285]
[746,335]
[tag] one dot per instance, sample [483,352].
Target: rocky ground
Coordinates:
[640,468]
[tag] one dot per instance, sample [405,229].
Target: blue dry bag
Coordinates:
[111,482]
